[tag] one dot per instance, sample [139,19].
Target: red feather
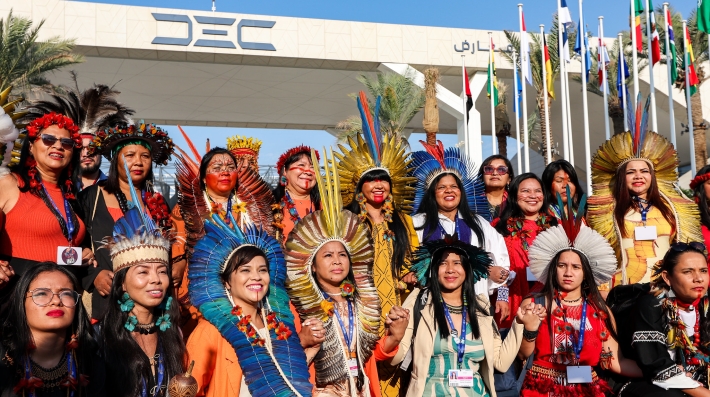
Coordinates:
[366,108]
[192,147]
[637,128]
[207,145]
[436,151]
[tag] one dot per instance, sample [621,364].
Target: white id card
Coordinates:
[352,364]
[531,276]
[460,378]
[579,374]
[68,256]
[645,233]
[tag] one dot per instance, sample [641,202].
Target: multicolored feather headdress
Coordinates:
[109,140]
[333,223]
[243,147]
[435,161]
[371,151]
[293,151]
[571,233]
[281,371]
[101,109]
[478,259]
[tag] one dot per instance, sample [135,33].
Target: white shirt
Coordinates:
[494,244]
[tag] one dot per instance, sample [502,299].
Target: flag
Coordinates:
[673,59]
[517,104]
[703,16]
[565,44]
[603,60]
[578,49]
[692,78]
[469,98]
[563,15]
[622,73]
[525,67]
[655,43]
[548,69]
[637,11]
[492,85]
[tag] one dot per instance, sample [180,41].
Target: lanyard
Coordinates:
[349,334]
[161,373]
[67,211]
[460,342]
[644,211]
[577,343]
[456,227]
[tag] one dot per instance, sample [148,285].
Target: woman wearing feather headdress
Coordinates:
[701,192]
[330,283]
[213,184]
[453,344]
[245,344]
[36,191]
[570,260]
[556,178]
[380,193]
[132,149]
[635,204]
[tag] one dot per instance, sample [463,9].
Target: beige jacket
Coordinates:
[499,354]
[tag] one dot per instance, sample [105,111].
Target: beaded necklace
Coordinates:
[515,227]
[677,338]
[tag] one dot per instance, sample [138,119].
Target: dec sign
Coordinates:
[220,39]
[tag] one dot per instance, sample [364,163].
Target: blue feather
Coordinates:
[376,119]
[631,115]
[368,134]
[136,201]
[644,121]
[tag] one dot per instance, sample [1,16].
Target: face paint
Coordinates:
[222,182]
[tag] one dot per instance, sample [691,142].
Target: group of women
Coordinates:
[372,271]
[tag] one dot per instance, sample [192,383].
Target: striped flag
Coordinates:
[492,85]
[655,42]
[637,11]
[548,69]
[603,60]
[690,60]
[526,68]
[469,98]
[704,15]
[673,61]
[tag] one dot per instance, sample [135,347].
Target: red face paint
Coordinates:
[222,182]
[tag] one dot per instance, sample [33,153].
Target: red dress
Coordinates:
[548,375]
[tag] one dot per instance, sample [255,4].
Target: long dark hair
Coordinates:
[126,363]
[548,176]
[589,292]
[702,199]
[206,162]
[488,162]
[112,184]
[16,334]
[21,169]
[401,245]
[624,201]
[512,209]
[280,191]
[468,293]
[430,209]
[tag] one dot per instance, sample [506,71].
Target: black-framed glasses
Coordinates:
[50,140]
[43,297]
[490,170]
[693,245]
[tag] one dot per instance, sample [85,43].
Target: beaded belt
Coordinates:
[559,376]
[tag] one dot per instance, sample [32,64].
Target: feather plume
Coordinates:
[421,263]
[101,109]
[192,147]
[643,127]
[191,200]
[368,128]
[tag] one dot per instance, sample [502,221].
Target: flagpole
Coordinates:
[516,106]
[494,143]
[691,137]
[634,39]
[620,64]
[587,145]
[548,155]
[652,92]
[464,76]
[670,82]
[560,56]
[605,81]
[525,104]
[569,117]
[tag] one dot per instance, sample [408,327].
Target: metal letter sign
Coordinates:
[247,45]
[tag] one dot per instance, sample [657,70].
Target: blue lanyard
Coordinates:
[461,344]
[161,374]
[578,343]
[644,211]
[67,213]
[456,226]
[349,335]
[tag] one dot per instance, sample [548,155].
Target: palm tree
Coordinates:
[24,61]
[502,119]
[401,101]
[537,64]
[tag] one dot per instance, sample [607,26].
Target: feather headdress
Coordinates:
[293,151]
[333,223]
[571,233]
[659,154]
[251,190]
[371,151]
[100,109]
[243,147]
[9,131]
[435,161]
[281,371]
[478,259]
[106,141]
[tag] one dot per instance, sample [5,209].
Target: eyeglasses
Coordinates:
[693,245]
[490,170]
[43,297]
[50,140]
[224,168]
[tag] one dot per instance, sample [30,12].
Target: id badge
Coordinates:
[352,364]
[579,374]
[68,256]
[645,233]
[460,378]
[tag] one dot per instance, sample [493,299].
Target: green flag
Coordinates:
[492,85]
[673,61]
[638,6]
[704,15]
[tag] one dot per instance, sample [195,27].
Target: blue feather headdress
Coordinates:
[283,370]
[435,161]
[478,259]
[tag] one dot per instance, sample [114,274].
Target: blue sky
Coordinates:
[476,14]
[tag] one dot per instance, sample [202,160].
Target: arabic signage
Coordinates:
[465,46]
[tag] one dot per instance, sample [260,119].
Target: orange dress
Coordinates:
[217,369]
[303,207]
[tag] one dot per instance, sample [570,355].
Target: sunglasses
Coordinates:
[490,170]
[50,140]
[692,246]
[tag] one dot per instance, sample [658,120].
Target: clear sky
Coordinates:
[475,14]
